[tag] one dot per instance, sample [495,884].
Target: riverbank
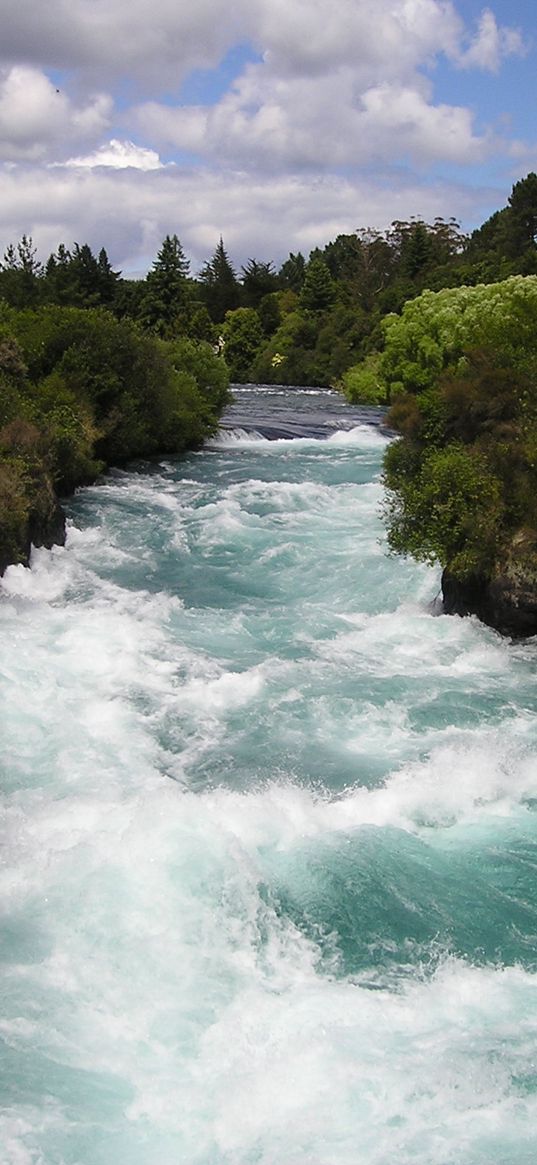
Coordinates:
[81,391]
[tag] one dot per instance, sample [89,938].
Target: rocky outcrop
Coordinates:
[46,520]
[508,599]
[38,521]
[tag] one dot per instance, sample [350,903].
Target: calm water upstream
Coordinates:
[269,880]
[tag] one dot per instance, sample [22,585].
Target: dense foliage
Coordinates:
[461,368]
[80,390]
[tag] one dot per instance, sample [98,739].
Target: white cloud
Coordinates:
[36,117]
[117,156]
[318,123]
[344,86]
[491,44]
[315,36]
[130,212]
[159,44]
[401,116]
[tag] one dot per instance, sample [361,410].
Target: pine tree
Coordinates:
[258,280]
[108,278]
[10,259]
[221,291]
[21,274]
[60,277]
[319,290]
[521,220]
[168,290]
[292,273]
[87,278]
[27,257]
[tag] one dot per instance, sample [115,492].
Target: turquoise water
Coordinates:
[269,879]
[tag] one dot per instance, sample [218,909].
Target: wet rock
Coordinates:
[506,601]
[40,522]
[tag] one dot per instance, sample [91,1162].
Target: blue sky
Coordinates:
[276,123]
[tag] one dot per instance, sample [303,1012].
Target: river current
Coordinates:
[269,870]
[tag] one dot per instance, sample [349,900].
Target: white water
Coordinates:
[268,887]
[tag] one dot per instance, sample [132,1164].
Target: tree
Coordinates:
[86,276]
[77,279]
[220,288]
[258,280]
[79,390]
[363,384]
[293,272]
[462,368]
[167,284]
[521,221]
[319,290]
[449,510]
[60,277]
[270,313]
[363,262]
[506,243]
[435,330]
[344,259]
[21,274]
[243,337]
[107,278]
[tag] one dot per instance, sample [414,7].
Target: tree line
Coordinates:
[309,321]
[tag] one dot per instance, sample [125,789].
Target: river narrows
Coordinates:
[269,874]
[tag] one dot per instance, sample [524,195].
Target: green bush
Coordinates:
[461,481]
[363,383]
[80,390]
[448,509]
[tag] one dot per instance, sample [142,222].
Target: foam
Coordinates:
[174,982]
[409,641]
[360,436]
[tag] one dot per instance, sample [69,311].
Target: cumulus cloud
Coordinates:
[313,36]
[117,156]
[422,130]
[317,123]
[159,44]
[491,45]
[344,85]
[35,116]
[326,88]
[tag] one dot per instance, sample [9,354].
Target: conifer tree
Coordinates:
[521,219]
[319,290]
[108,278]
[258,279]
[167,286]
[292,273]
[221,290]
[86,276]
[21,274]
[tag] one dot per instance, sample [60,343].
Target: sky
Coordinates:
[276,124]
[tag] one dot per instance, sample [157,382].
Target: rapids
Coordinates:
[269,869]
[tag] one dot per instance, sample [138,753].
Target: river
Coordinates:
[269,876]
